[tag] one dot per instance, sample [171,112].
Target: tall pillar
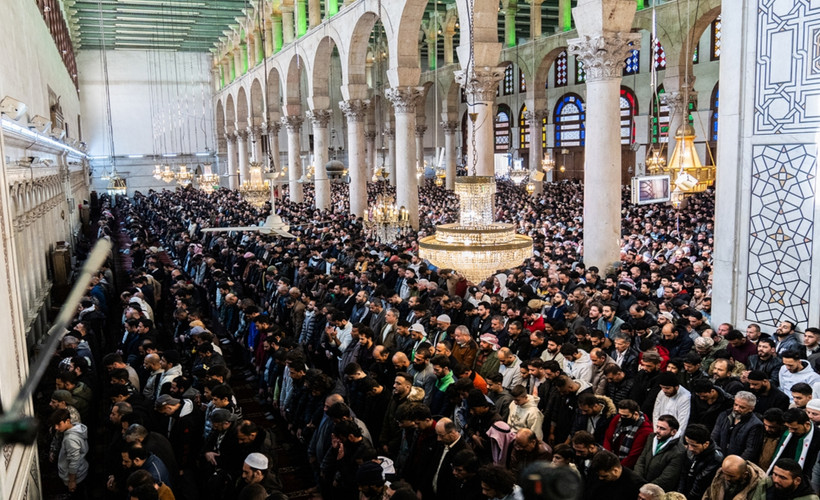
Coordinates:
[354,110]
[233,159]
[510,10]
[294,125]
[288,31]
[301,18]
[404,101]
[242,151]
[565,15]
[536,119]
[390,161]
[273,143]
[420,130]
[319,118]
[451,129]
[277,30]
[315,12]
[448,46]
[535,18]
[480,87]
[255,134]
[602,48]
[237,62]
[372,160]
[331,8]
[268,38]
[243,58]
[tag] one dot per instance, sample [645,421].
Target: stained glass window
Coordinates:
[629,108]
[522,82]
[561,70]
[580,74]
[660,118]
[658,55]
[716,39]
[569,121]
[509,80]
[633,62]
[695,55]
[524,128]
[502,129]
[713,122]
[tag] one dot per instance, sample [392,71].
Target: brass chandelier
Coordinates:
[385,222]
[208,181]
[256,189]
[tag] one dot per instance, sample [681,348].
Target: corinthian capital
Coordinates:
[293,122]
[675,102]
[319,117]
[242,134]
[404,99]
[420,130]
[354,109]
[535,117]
[481,83]
[603,55]
[450,127]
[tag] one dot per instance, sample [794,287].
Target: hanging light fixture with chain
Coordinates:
[255,190]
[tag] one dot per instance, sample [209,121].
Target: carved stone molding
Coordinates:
[354,109]
[481,83]
[293,122]
[675,102]
[404,99]
[450,127]
[389,133]
[230,136]
[242,134]
[320,117]
[603,56]
[420,130]
[536,117]
[370,136]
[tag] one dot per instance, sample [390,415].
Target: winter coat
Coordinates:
[787,379]
[72,454]
[598,378]
[744,438]
[698,471]
[755,490]
[638,442]
[662,468]
[582,421]
[526,416]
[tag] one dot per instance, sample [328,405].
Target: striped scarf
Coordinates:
[625,434]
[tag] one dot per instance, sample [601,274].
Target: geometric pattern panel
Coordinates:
[633,62]
[787,73]
[781,227]
[561,70]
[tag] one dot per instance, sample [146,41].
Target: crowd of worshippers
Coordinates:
[400,380]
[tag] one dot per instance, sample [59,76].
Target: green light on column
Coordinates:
[232,64]
[565,15]
[277,34]
[511,38]
[301,19]
[332,7]
[244,57]
[640,4]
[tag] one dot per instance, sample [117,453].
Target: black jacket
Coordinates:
[663,468]
[744,438]
[698,471]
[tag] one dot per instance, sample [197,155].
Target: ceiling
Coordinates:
[196,25]
[184,25]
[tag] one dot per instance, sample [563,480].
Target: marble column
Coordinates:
[255,134]
[294,125]
[448,47]
[314,12]
[510,10]
[480,87]
[288,26]
[355,112]
[536,120]
[301,18]
[320,118]
[420,130]
[268,38]
[390,160]
[237,62]
[535,18]
[233,159]
[602,48]
[677,117]
[404,101]
[242,151]
[372,155]
[273,143]
[278,34]
[331,8]
[451,129]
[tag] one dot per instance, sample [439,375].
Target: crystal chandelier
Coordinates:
[158,172]
[476,246]
[116,184]
[385,222]
[441,174]
[530,187]
[208,181]
[655,163]
[105,176]
[168,175]
[547,163]
[381,174]
[518,173]
[183,176]
[255,190]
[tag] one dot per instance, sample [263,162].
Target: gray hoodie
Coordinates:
[72,454]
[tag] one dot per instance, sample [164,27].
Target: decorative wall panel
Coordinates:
[781,227]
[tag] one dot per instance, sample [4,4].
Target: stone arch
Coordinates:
[451,98]
[242,112]
[293,89]
[230,115]
[484,21]
[319,81]
[403,42]
[543,72]
[354,77]
[700,26]
[273,91]
[257,103]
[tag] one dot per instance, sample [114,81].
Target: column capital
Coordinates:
[404,99]
[319,117]
[675,102]
[420,130]
[603,55]
[481,83]
[242,134]
[370,136]
[389,133]
[450,126]
[354,109]
[293,122]
[536,116]
[274,127]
